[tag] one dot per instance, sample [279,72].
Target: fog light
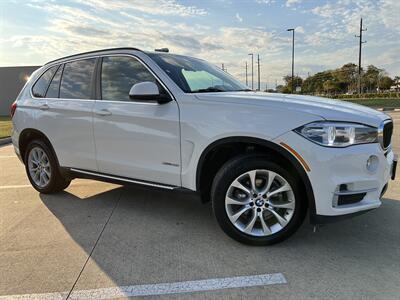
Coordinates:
[372,163]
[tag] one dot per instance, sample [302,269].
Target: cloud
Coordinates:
[300,29]
[292,2]
[324,40]
[265,1]
[389,13]
[153,7]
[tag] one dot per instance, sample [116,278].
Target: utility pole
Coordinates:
[359,55]
[258,66]
[223,69]
[252,71]
[292,30]
[276,84]
[246,74]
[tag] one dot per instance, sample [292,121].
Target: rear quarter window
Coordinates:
[40,87]
[54,88]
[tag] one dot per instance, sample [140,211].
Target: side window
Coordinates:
[54,87]
[76,82]
[118,74]
[40,87]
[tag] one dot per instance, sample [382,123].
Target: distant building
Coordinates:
[12,79]
[396,86]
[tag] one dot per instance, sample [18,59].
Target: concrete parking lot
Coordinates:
[95,238]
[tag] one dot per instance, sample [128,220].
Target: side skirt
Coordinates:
[79,173]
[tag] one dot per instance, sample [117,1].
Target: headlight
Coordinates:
[338,134]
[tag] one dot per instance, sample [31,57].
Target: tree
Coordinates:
[385,83]
[331,86]
[298,81]
[371,77]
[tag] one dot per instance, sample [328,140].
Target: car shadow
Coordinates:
[162,236]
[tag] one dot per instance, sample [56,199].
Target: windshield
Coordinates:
[194,75]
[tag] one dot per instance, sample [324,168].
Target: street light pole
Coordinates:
[292,30]
[252,71]
[258,67]
[246,74]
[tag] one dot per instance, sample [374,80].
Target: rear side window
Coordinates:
[54,87]
[40,87]
[76,82]
[118,74]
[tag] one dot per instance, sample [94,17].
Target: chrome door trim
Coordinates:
[158,185]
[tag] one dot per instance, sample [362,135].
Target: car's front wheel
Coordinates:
[42,168]
[256,201]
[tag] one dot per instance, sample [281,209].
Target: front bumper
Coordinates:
[336,173]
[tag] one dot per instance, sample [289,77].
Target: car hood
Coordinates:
[332,110]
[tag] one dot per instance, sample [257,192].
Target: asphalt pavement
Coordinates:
[99,240]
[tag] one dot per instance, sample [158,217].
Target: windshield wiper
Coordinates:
[208,90]
[244,90]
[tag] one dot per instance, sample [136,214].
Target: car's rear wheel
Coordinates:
[256,201]
[42,168]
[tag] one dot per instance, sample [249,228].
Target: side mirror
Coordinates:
[147,91]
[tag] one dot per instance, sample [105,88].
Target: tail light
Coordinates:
[13,108]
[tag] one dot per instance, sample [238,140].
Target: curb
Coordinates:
[388,109]
[5,141]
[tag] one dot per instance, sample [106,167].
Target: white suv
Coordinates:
[177,122]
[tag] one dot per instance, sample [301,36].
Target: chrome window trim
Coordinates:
[109,101]
[59,64]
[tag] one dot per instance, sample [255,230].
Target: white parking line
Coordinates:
[14,186]
[89,182]
[161,288]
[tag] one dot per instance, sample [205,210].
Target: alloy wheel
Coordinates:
[39,167]
[260,202]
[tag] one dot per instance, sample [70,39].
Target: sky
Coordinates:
[33,32]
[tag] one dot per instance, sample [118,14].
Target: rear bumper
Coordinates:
[342,184]
[14,140]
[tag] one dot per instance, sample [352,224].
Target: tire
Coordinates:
[257,206]
[51,180]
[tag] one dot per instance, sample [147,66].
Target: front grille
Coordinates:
[387,134]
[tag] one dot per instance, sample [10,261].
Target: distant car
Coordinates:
[176,122]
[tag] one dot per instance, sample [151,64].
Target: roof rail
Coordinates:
[162,50]
[91,52]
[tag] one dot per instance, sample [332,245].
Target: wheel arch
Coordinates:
[242,145]
[29,134]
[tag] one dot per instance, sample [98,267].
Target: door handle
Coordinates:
[103,112]
[44,107]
